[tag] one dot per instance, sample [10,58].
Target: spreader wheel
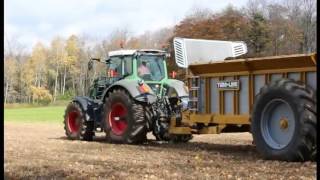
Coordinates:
[284,121]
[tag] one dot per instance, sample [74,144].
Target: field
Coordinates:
[50,114]
[35,147]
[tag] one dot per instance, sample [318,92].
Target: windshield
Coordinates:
[150,67]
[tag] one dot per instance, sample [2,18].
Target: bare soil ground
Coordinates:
[38,150]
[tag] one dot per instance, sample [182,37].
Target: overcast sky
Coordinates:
[40,20]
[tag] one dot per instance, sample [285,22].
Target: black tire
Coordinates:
[136,124]
[160,130]
[80,128]
[301,144]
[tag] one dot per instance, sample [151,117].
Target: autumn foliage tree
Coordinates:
[59,70]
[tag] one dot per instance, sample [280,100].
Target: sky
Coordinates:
[32,21]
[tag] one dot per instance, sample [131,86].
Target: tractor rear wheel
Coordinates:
[284,121]
[75,125]
[124,119]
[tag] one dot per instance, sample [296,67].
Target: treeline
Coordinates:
[59,71]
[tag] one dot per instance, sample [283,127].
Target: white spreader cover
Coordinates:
[200,51]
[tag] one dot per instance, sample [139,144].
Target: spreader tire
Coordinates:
[284,121]
[124,119]
[75,125]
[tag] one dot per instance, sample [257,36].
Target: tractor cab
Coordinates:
[145,64]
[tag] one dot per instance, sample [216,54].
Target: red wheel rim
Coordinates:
[73,123]
[117,119]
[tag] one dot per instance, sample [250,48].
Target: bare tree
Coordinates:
[309,23]
[197,13]
[254,7]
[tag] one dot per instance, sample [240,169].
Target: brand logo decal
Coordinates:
[228,85]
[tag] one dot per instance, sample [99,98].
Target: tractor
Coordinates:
[134,98]
[273,98]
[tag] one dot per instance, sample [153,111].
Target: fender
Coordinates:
[132,88]
[87,105]
[83,102]
[176,88]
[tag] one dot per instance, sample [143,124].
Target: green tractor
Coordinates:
[134,98]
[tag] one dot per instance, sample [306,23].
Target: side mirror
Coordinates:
[108,61]
[95,59]
[173,74]
[90,65]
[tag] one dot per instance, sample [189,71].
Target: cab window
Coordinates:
[121,65]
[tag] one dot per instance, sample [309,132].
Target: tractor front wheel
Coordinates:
[75,125]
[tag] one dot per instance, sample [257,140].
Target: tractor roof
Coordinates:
[124,52]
